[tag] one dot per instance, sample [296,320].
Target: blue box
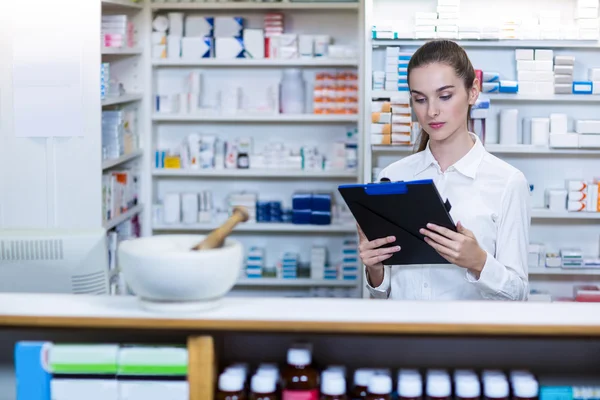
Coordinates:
[301,217]
[321,202]
[302,201]
[320,218]
[32,380]
[509,86]
[583,87]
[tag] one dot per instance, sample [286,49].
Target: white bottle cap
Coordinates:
[300,357]
[495,387]
[438,385]
[525,388]
[262,383]
[333,383]
[467,387]
[237,371]
[337,368]
[362,376]
[271,373]
[518,374]
[408,372]
[489,373]
[464,373]
[410,386]
[231,382]
[380,384]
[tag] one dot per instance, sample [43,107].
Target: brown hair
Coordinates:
[445,52]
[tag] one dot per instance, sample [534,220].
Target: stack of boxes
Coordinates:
[535,71]
[311,208]
[589,133]
[104,80]
[269,211]
[509,29]
[396,70]
[289,265]
[350,260]
[273,28]
[571,258]
[583,196]
[563,74]
[243,199]
[447,20]
[391,121]
[425,24]
[117,31]
[198,40]
[318,263]
[255,262]
[594,77]
[467,30]
[550,25]
[586,16]
[378,80]
[229,42]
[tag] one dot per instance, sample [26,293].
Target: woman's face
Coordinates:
[440,100]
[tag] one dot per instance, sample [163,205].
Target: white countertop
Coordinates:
[307,314]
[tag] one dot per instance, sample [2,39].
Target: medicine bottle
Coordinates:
[410,387]
[380,388]
[495,388]
[272,371]
[299,380]
[438,386]
[292,92]
[333,386]
[263,387]
[467,387]
[361,382]
[526,388]
[231,387]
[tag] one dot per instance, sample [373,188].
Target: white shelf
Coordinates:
[499,149]
[247,5]
[561,271]
[550,44]
[126,98]
[585,98]
[262,227]
[255,173]
[120,4]
[542,213]
[123,51]
[267,62]
[298,282]
[123,217]
[106,164]
[277,118]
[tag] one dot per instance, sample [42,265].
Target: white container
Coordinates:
[292,92]
[322,45]
[189,208]
[509,127]
[540,131]
[172,208]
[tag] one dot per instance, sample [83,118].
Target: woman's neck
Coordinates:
[447,152]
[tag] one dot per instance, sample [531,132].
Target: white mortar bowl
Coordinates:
[168,276]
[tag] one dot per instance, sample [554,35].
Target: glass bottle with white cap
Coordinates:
[438,385]
[380,387]
[410,386]
[525,388]
[361,382]
[495,387]
[299,380]
[333,385]
[467,387]
[263,386]
[231,386]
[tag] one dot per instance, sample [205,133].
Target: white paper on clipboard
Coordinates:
[47,62]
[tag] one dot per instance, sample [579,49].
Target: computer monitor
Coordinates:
[54,261]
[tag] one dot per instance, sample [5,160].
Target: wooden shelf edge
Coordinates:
[202,367]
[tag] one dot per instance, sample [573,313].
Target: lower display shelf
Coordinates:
[123,217]
[299,282]
[563,271]
[261,227]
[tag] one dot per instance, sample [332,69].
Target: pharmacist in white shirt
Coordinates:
[487,257]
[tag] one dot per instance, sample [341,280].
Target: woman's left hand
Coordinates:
[459,248]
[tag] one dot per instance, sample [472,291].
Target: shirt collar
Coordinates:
[467,165]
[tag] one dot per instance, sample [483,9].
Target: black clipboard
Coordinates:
[400,209]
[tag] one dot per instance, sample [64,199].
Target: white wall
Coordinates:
[51,182]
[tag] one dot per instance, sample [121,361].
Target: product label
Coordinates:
[300,394]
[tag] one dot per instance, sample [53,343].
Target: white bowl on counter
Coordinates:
[168,276]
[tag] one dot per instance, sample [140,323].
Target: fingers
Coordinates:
[361,234]
[444,251]
[372,257]
[444,231]
[440,239]
[376,260]
[377,243]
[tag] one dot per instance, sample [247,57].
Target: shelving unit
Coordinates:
[110,224]
[107,164]
[342,21]
[299,282]
[565,272]
[543,167]
[126,98]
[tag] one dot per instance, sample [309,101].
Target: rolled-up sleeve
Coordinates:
[382,291]
[505,273]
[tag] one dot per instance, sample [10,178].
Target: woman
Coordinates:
[487,257]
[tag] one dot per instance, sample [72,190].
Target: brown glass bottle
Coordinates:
[438,387]
[299,380]
[525,389]
[361,382]
[263,387]
[467,388]
[380,388]
[496,388]
[231,387]
[333,386]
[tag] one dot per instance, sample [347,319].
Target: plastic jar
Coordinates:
[292,92]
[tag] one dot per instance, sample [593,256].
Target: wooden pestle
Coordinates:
[217,237]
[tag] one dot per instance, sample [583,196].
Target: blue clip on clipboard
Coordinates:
[400,209]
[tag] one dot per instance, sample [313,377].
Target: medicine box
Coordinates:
[227,27]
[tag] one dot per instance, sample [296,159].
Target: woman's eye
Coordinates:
[419,100]
[447,97]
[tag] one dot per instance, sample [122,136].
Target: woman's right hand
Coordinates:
[371,252]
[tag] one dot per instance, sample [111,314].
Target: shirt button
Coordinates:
[426,285]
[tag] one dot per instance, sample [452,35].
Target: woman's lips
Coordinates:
[436,125]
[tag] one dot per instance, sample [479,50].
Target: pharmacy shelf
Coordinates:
[499,149]
[561,271]
[121,4]
[248,5]
[126,98]
[123,217]
[298,282]
[254,173]
[537,44]
[266,63]
[123,51]
[111,163]
[556,98]
[277,118]
[542,213]
[261,227]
